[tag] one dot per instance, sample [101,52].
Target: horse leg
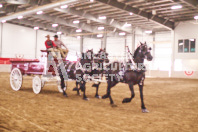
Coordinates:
[76,88]
[144,110]
[110,85]
[63,86]
[83,88]
[62,82]
[97,86]
[127,100]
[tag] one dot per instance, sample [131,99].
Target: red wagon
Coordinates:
[33,67]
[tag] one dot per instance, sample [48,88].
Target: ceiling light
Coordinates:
[100,28]
[36,28]
[196,17]
[64,6]
[176,7]
[127,25]
[59,32]
[154,12]
[20,17]
[78,30]
[54,25]
[39,12]
[3,21]
[78,37]
[1,5]
[91,0]
[76,21]
[122,33]
[148,31]
[102,17]
[130,13]
[99,35]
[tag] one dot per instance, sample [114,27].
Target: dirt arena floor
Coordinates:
[173,106]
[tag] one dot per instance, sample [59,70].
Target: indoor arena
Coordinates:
[98,65]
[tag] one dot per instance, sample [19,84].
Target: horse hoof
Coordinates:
[145,111]
[99,97]
[75,89]
[65,95]
[126,100]
[79,94]
[113,105]
[86,99]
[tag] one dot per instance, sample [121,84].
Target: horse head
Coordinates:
[88,55]
[142,52]
[102,56]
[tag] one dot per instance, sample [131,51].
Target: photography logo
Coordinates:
[188,73]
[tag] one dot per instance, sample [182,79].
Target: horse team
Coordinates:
[94,66]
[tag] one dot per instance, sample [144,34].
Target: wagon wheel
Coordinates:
[59,87]
[16,79]
[36,84]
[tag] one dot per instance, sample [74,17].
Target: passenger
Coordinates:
[51,47]
[59,45]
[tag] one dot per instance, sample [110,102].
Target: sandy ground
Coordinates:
[173,106]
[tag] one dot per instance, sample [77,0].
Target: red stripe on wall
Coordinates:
[5,60]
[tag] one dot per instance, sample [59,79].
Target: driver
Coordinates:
[51,47]
[60,44]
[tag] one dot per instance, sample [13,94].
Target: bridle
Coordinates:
[145,53]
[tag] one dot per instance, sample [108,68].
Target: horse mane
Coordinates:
[83,55]
[136,52]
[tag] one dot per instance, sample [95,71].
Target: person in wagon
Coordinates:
[51,47]
[59,45]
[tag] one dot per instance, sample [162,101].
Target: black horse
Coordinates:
[96,73]
[118,72]
[77,70]
[100,60]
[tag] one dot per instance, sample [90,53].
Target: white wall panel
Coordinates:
[129,42]
[18,40]
[163,51]
[116,48]
[90,43]
[141,36]
[73,44]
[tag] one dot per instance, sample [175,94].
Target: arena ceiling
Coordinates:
[121,15]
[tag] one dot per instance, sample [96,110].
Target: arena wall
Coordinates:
[28,42]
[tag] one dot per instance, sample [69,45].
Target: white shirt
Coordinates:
[59,43]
